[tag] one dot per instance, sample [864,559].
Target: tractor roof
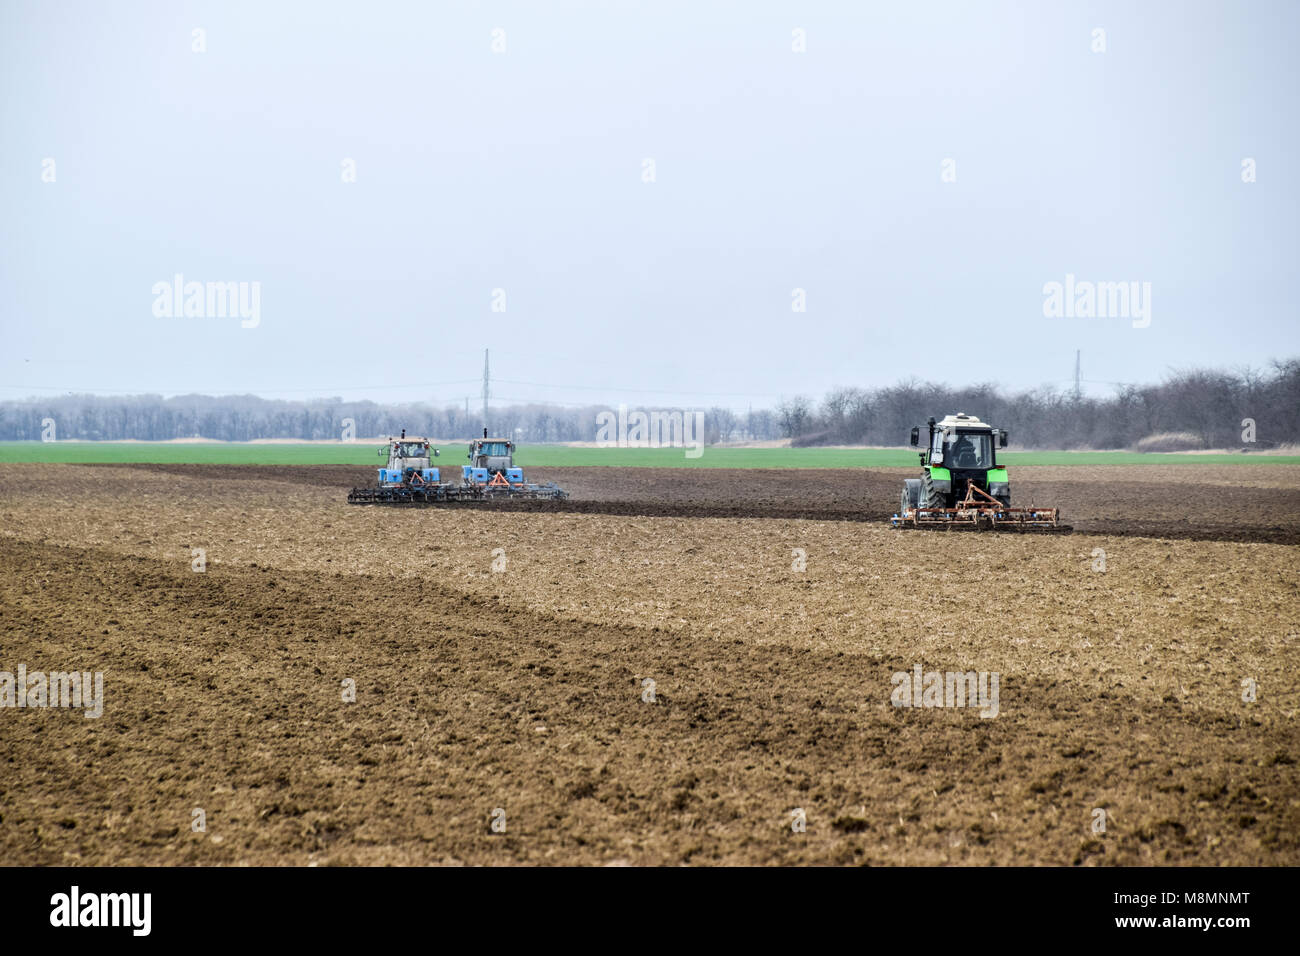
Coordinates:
[962,420]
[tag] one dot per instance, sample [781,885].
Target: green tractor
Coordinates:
[962,484]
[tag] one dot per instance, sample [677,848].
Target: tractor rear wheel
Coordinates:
[911,496]
[930,498]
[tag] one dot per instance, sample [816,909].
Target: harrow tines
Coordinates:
[981,518]
[442,493]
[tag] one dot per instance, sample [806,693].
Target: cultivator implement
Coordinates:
[980,511]
[437,494]
[515,491]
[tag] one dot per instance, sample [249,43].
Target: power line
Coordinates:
[191,390]
[548,401]
[447,402]
[651,391]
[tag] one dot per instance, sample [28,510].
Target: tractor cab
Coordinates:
[408,462]
[492,460]
[965,448]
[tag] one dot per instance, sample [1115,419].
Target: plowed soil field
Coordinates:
[661,670]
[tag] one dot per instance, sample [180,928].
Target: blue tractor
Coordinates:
[408,477]
[492,460]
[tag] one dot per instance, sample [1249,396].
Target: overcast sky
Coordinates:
[525,171]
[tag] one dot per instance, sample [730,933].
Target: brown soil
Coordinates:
[522,689]
[1182,502]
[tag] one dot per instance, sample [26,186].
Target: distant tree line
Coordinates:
[247,417]
[1198,407]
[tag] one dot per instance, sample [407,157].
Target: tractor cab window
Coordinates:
[410,449]
[494,449]
[968,450]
